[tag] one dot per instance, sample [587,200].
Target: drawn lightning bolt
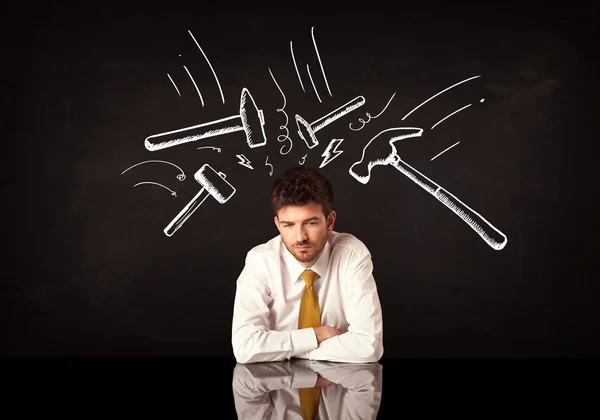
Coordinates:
[244,161]
[331,152]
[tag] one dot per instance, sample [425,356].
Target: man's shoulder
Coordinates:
[346,242]
[266,250]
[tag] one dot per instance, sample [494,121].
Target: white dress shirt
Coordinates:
[270,390]
[267,302]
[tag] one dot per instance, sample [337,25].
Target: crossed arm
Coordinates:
[253,340]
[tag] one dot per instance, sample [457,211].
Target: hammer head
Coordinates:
[380,150]
[214,183]
[253,120]
[306,133]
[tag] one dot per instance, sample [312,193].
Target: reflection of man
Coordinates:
[309,292]
[302,389]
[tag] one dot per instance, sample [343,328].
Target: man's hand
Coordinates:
[324,332]
[323,382]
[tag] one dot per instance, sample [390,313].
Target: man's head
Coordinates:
[302,200]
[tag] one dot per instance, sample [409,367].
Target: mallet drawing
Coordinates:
[250,120]
[307,131]
[213,184]
[380,150]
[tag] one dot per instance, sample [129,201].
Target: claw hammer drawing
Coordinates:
[380,150]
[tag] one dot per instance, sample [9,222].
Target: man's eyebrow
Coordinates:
[307,220]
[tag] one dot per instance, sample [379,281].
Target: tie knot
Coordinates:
[309,277]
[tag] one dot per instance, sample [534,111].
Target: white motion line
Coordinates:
[296,66]
[313,83]
[319,57]
[195,85]
[211,67]
[448,116]
[439,93]
[174,84]
[444,151]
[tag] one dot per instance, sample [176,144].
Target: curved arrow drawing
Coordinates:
[173,193]
[180,177]
[210,147]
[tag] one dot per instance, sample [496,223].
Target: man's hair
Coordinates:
[299,185]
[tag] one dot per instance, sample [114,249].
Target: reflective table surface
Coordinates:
[220,388]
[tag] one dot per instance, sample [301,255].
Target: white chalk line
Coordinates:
[439,93]
[444,151]
[313,83]
[211,67]
[296,66]
[180,176]
[174,84]
[448,116]
[319,57]
[195,85]
[173,193]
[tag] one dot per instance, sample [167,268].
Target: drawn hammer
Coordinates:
[251,120]
[307,131]
[213,184]
[380,150]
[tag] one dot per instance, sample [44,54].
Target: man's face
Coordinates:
[304,230]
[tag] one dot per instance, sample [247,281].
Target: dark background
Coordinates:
[89,272]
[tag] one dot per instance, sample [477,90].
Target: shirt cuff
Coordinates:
[306,379]
[303,340]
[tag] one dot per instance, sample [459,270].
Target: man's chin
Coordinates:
[303,256]
[306,256]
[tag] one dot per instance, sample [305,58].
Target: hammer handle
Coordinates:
[186,212]
[488,232]
[196,132]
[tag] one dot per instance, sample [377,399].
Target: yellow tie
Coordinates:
[309,402]
[309,316]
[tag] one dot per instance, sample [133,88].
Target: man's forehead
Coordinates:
[305,211]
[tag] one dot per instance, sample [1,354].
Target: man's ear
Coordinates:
[331,220]
[276,221]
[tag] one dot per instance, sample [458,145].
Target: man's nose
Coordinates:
[301,235]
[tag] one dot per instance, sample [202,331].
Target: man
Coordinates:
[309,292]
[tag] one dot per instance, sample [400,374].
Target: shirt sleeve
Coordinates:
[363,341]
[252,338]
[251,379]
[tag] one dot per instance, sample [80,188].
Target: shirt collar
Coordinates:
[295,268]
